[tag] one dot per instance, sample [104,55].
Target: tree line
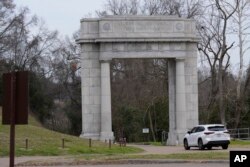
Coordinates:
[139,86]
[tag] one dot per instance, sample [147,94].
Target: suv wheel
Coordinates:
[186,144]
[200,144]
[209,147]
[225,147]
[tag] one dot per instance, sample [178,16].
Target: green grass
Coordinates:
[44,142]
[188,156]
[234,143]
[240,143]
[156,143]
[205,155]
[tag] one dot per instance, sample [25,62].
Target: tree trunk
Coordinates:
[214,91]
[238,109]
[221,98]
[151,125]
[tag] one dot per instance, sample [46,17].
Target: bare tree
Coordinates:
[241,28]
[120,7]
[26,50]
[7,21]
[215,46]
[181,8]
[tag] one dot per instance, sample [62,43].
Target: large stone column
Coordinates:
[91,91]
[106,117]
[181,125]
[171,94]
[191,85]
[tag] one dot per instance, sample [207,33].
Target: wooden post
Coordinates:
[26,144]
[15,105]
[63,143]
[125,141]
[90,143]
[109,143]
[12,119]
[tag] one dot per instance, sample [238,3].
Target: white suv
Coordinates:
[207,136]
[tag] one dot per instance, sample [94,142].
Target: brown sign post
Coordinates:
[15,104]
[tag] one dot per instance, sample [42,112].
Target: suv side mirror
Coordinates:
[189,132]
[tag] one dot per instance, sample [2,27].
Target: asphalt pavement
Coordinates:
[159,165]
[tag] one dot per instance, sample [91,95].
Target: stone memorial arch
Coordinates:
[103,39]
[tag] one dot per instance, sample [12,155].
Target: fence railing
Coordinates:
[240,133]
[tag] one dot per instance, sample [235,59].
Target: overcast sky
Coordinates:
[61,15]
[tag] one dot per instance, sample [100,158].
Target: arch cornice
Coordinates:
[137,29]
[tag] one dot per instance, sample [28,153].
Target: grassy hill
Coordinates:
[42,141]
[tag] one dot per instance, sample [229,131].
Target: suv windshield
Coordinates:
[216,128]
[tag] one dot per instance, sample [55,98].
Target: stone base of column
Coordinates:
[93,136]
[180,136]
[107,136]
[175,138]
[172,139]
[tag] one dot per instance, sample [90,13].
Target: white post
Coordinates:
[106,117]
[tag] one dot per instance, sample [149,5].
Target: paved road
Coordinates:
[162,165]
